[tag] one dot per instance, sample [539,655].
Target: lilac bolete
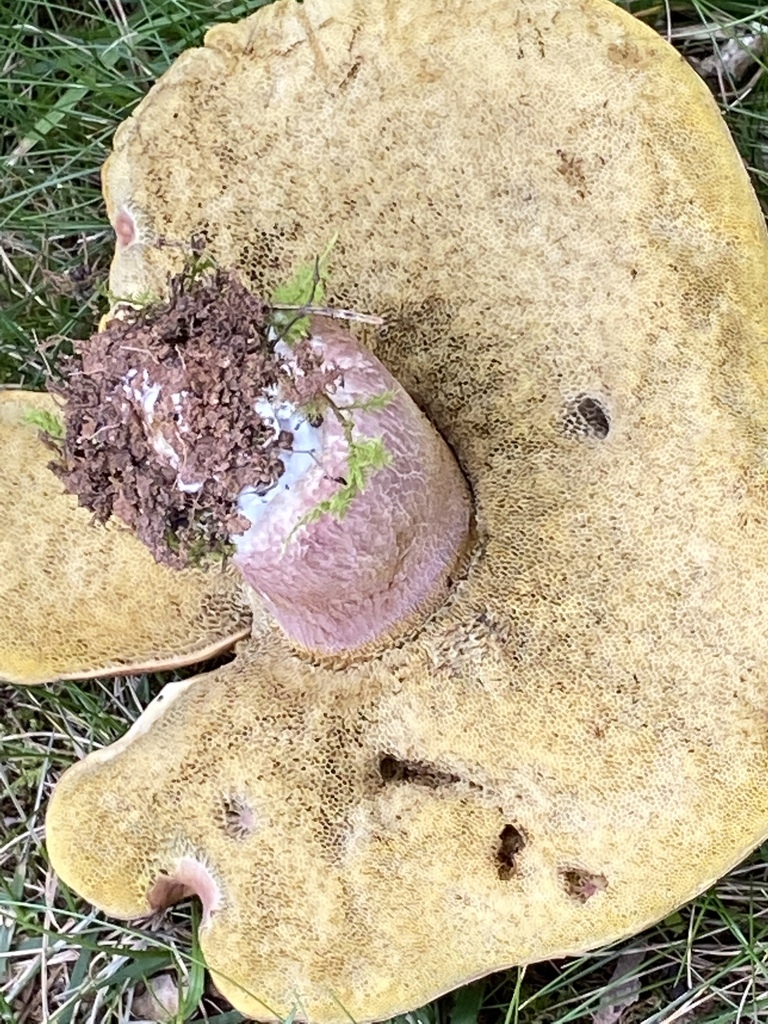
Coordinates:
[542,201]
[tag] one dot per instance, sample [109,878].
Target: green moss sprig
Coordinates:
[305,288]
[47,422]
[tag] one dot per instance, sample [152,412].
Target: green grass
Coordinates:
[68,74]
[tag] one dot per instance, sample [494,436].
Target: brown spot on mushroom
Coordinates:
[587,416]
[627,53]
[393,769]
[572,170]
[511,843]
[582,885]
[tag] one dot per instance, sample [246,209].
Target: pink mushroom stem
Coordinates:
[338,583]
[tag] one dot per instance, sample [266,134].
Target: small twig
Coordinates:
[141,351]
[101,430]
[331,312]
[39,348]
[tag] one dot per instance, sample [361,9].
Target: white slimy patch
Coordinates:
[177,400]
[276,413]
[145,394]
[306,453]
[149,395]
[305,456]
[189,488]
[272,413]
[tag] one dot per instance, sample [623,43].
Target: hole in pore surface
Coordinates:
[238,819]
[190,878]
[587,416]
[418,773]
[511,842]
[581,885]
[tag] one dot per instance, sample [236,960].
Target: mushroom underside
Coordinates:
[310,808]
[574,743]
[79,600]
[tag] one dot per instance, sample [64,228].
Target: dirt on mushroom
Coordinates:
[161,427]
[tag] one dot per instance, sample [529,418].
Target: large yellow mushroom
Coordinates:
[542,201]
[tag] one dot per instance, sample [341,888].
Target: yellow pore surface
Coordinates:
[78,599]
[544,203]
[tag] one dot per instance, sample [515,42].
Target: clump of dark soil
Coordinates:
[160,423]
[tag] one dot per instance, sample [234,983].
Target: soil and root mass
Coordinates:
[219,424]
[161,423]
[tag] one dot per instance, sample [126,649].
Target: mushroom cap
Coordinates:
[543,201]
[79,600]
